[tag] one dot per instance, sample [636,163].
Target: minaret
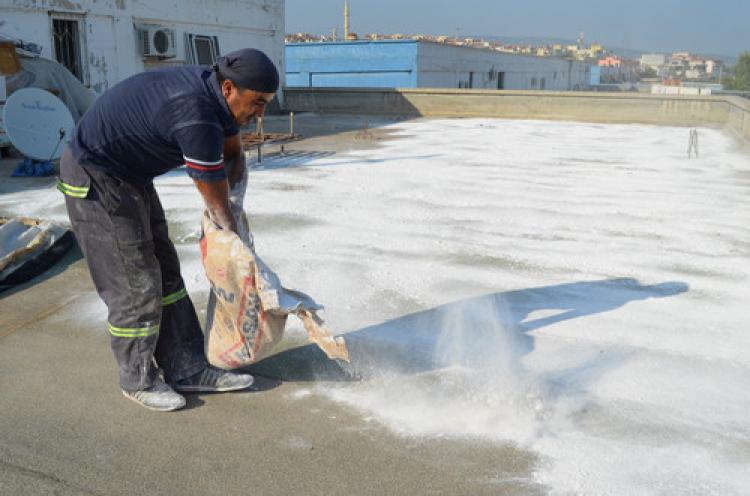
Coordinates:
[346,20]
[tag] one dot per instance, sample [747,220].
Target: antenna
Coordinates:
[346,20]
[38,123]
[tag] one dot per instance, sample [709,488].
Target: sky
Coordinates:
[700,26]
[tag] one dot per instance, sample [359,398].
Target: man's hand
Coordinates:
[216,197]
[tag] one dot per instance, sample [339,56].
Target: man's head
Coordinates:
[248,81]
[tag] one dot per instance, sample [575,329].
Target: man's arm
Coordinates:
[234,159]
[216,194]
[216,197]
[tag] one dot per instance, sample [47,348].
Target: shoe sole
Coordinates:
[206,389]
[154,408]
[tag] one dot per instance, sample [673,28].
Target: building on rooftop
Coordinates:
[104,41]
[426,64]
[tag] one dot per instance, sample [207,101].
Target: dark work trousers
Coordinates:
[122,232]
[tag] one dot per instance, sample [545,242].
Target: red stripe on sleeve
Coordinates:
[204,167]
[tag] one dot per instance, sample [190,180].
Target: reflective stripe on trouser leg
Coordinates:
[74,191]
[133,348]
[133,332]
[174,297]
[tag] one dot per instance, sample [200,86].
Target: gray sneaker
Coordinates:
[211,380]
[159,397]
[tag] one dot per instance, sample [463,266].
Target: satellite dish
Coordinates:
[38,123]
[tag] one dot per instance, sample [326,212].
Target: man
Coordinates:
[145,126]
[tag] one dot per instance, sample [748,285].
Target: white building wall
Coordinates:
[447,66]
[653,60]
[109,49]
[26,24]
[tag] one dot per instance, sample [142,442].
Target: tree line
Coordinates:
[740,81]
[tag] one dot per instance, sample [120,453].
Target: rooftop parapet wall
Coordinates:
[733,112]
[738,119]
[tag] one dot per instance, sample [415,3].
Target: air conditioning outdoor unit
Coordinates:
[157,41]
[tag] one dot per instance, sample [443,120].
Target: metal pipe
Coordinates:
[259,129]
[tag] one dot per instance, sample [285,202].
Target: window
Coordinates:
[67,41]
[202,50]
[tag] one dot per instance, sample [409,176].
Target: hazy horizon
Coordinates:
[667,26]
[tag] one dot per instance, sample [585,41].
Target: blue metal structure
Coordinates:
[374,64]
[596,75]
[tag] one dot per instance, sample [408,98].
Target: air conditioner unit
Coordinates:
[157,41]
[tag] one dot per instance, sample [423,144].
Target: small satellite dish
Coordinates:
[38,123]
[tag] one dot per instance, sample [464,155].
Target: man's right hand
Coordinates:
[216,197]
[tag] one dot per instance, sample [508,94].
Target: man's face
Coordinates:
[245,104]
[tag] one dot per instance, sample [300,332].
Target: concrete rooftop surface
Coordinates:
[531,307]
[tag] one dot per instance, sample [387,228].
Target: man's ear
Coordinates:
[226,88]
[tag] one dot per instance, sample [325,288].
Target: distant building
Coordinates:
[618,70]
[714,68]
[654,62]
[596,50]
[102,43]
[684,65]
[423,64]
[301,38]
[610,62]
